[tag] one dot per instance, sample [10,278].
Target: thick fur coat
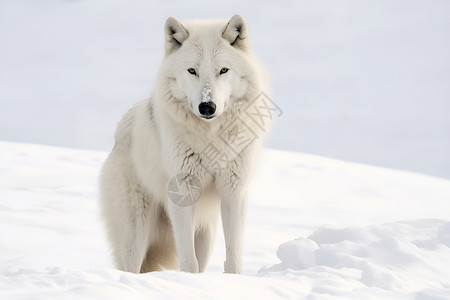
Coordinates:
[196,140]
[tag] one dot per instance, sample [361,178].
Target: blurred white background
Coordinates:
[364,81]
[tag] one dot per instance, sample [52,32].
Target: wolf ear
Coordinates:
[236,32]
[175,34]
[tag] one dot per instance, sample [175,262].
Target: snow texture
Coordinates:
[342,230]
[400,256]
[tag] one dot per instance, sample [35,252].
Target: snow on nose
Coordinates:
[206,93]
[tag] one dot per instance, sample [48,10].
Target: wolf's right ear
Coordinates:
[235,32]
[175,34]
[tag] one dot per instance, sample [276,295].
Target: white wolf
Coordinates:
[195,135]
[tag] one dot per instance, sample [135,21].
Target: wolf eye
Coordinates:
[223,70]
[192,71]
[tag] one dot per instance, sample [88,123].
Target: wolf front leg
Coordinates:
[183,225]
[234,209]
[183,191]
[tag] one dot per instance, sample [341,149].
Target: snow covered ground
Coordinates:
[317,228]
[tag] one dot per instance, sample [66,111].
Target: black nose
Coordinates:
[207,108]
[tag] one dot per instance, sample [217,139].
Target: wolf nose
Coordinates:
[207,108]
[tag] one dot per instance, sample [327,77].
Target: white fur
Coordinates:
[165,136]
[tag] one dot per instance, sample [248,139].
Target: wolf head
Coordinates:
[207,64]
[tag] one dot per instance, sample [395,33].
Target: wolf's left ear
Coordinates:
[236,32]
[175,34]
